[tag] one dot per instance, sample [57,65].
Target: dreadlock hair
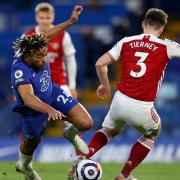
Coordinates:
[28,44]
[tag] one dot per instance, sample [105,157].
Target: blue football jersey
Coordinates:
[41,81]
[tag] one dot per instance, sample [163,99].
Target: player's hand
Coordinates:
[55,115]
[75,13]
[102,90]
[74,93]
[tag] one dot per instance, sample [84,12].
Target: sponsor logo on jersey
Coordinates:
[52,56]
[45,80]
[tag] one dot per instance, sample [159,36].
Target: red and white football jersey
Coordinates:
[58,47]
[144,59]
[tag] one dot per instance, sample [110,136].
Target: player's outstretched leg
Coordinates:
[24,165]
[81,121]
[71,134]
[138,153]
[99,139]
[67,124]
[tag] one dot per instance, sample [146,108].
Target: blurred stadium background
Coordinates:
[102,23]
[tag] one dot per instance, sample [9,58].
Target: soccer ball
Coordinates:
[88,170]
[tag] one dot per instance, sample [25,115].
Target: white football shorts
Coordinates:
[125,110]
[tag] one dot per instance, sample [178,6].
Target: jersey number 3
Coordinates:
[141,63]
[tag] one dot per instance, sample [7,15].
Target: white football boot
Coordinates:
[130,177]
[121,177]
[29,172]
[70,133]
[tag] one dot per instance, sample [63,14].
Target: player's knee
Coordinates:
[33,143]
[110,132]
[155,133]
[86,124]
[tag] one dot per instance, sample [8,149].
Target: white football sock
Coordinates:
[24,159]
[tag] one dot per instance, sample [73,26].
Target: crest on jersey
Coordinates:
[55,46]
[18,74]
[51,56]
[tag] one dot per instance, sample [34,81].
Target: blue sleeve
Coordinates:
[20,75]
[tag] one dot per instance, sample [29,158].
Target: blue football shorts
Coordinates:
[33,125]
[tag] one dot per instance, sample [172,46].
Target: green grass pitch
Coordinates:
[57,171]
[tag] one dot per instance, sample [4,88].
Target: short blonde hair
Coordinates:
[44,7]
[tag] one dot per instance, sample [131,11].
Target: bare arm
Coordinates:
[27,94]
[102,72]
[53,32]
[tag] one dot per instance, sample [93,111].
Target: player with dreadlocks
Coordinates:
[37,98]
